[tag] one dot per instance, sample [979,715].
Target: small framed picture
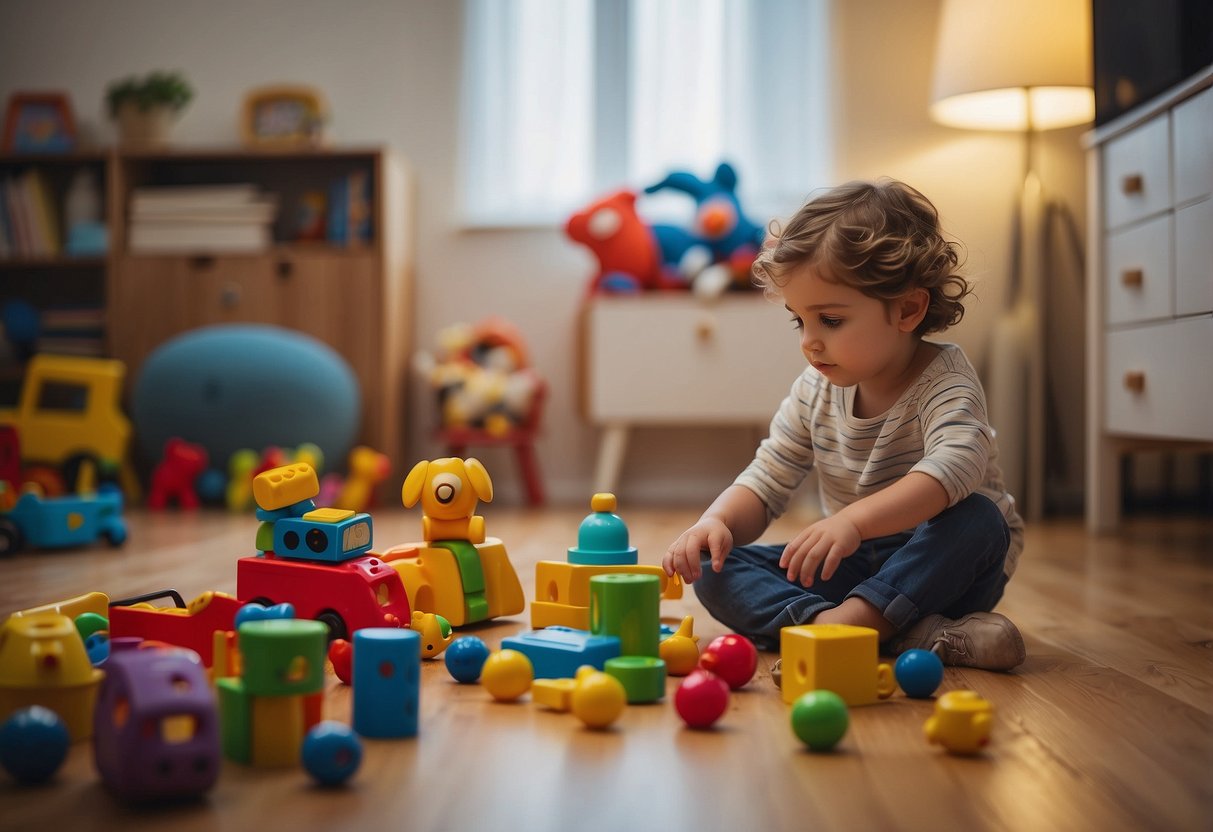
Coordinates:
[39,123]
[284,117]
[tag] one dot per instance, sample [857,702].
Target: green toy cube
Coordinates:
[283,656]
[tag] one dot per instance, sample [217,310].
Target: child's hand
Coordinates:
[825,544]
[683,556]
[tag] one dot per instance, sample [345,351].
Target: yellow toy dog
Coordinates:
[449,489]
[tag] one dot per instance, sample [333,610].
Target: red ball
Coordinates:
[734,658]
[341,654]
[701,699]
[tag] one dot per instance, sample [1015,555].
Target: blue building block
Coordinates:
[557,652]
[312,537]
[387,682]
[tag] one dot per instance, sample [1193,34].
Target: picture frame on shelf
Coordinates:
[39,122]
[284,116]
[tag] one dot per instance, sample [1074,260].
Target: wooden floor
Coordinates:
[1109,724]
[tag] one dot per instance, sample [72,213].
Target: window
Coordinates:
[565,100]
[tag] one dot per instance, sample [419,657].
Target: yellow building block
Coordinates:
[562,590]
[328,515]
[834,657]
[278,730]
[284,486]
[432,580]
[556,694]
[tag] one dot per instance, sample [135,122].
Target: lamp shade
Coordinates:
[1017,65]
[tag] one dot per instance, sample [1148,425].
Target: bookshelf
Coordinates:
[351,293]
[42,272]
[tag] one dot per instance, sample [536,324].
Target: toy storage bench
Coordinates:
[675,360]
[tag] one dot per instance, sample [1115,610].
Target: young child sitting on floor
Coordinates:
[919,536]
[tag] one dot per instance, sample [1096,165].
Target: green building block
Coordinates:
[642,677]
[235,720]
[283,656]
[627,605]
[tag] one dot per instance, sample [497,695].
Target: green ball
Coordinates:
[819,719]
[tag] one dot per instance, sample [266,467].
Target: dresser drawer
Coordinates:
[1194,258]
[1137,173]
[677,360]
[1192,132]
[1157,381]
[1138,272]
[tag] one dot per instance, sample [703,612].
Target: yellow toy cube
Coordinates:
[834,657]
[281,487]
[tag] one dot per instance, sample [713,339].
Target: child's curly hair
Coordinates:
[882,238]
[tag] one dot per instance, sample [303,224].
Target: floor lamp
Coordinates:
[1022,66]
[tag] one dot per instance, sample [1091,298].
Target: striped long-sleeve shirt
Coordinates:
[938,427]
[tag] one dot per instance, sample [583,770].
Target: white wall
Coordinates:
[390,70]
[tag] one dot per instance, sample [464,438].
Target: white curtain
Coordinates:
[567,99]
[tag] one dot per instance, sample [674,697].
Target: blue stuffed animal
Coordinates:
[720,246]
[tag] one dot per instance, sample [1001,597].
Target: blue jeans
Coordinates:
[951,564]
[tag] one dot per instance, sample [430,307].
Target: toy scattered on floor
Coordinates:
[174,477]
[341,657]
[456,572]
[465,658]
[562,588]
[732,657]
[322,569]
[435,632]
[642,677]
[34,742]
[507,675]
[597,698]
[837,657]
[331,753]
[267,711]
[69,416]
[387,682]
[483,377]
[260,612]
[365,469]
[558,652]
[60,522]
[820,719]
[43,662]
[919,673]
[156,731]
[680,651]
[701,698]
[961,723]
[191,625]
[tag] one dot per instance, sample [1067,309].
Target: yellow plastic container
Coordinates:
[43,662]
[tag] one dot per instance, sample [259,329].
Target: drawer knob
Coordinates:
[1133,184]
[1135,381]
[1132,278]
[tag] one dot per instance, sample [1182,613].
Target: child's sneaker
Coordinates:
[985,640]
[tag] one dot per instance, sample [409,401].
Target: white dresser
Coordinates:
[1149,286]
[670,359]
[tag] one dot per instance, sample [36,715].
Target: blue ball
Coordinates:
[33,744]
[98,648]
[919,673]
[465,658]
[331,753]
[211,486]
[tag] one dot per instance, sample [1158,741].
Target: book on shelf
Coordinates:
[349,209]
[229,218]
[29,224]
[178,238]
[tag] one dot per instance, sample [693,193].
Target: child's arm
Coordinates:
[735,518]
[912,500]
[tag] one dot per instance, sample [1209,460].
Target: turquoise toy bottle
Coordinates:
[602,539]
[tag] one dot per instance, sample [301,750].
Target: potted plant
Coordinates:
[145,108]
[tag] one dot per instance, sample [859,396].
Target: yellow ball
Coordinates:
[507,674]
[598,699]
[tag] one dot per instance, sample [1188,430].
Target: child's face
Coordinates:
[846,335]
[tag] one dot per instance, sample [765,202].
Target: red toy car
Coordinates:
[190,625]
[355,593]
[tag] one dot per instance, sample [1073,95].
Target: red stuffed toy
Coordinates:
[174,477]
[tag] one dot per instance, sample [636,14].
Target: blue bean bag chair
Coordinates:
[237,386]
